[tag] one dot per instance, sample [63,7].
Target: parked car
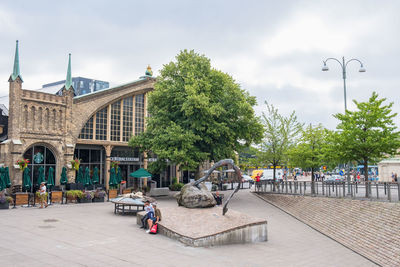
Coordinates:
[334,179]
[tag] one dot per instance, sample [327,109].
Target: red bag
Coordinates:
[154,229]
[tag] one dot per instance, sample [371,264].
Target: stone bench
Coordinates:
[162,191]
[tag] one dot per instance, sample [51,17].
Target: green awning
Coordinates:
[41,178]
[141,173]
[27,183]
[96,175]
[86,177]
[50,177]
[64,179]
[7,177]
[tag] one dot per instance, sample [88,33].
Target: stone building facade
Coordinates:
[52,130]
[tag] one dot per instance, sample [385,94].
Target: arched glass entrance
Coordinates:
[40,156]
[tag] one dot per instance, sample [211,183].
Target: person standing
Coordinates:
[122,187]
[42,195]
[218,198]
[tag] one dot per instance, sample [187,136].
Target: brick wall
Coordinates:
[370,228]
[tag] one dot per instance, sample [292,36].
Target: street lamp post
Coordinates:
[343,64]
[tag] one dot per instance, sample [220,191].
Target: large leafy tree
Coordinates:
[367,134]
[309,153]
[197,113]
[280,134]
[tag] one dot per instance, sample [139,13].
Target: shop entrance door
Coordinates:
[125,171]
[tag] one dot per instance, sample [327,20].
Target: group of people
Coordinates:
[152,216]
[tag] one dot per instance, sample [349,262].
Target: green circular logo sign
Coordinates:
[38,158]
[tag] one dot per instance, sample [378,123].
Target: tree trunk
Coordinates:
[366,178]
[274,178]
[178,173]
[312,182]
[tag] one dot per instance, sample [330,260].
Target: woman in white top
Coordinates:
[42,197]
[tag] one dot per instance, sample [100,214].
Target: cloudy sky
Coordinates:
[274,49]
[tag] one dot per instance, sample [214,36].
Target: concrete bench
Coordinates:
[156,192]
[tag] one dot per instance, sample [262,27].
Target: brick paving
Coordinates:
[91,235]
[367,227]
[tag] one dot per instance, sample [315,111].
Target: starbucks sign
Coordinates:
[38,158]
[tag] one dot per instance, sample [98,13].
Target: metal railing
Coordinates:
[377,191]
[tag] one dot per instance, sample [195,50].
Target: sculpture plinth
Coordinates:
[207,227]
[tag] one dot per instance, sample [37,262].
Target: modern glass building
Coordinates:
[81,85]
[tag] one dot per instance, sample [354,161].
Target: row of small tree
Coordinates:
[364,136]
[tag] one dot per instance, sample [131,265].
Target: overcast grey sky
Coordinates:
[274,49]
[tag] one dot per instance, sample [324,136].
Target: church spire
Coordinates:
[16,72]
[68,80]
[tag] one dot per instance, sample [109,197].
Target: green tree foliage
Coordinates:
[197,113]
[248,157]
[367,134]
[280,134]
[309,153]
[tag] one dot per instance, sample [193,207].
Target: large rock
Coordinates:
[193,197]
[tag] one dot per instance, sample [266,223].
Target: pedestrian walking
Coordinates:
[42,195]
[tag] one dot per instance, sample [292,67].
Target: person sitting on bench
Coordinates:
[148,208]
[155,219]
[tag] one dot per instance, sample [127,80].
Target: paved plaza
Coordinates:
[91,235]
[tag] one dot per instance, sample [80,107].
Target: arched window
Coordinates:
[40,156]
[125,116]
[139,114]
[87,131]
[101,124]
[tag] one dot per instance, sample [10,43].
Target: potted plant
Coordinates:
[99,195]
[86,197]
[23,163]
[73,195]
[37,197]
[5,201]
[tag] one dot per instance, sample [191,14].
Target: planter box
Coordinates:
[126,191]
[71,199]
[98,199]
[56,196]
[21,198]
[112,193]
[4,206]
[226,187]
[84,200]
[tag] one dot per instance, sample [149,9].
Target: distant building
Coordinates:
[52,130]
[81,86]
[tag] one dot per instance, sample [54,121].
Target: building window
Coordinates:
[101,124]
[127,119]
[92,157]
[116,121]
[139,114]
[87,131]
[40,157]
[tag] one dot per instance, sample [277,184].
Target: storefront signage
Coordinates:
[38,158]
[123,159]
[152,159]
